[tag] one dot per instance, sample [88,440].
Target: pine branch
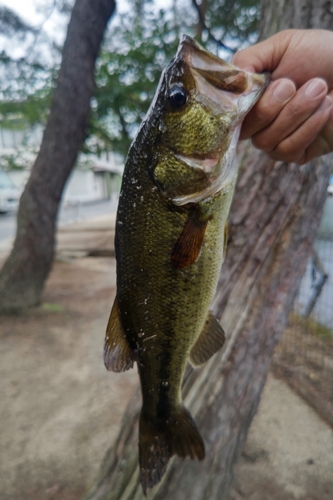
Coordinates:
[204,27]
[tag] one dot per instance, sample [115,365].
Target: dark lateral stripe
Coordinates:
[163,405]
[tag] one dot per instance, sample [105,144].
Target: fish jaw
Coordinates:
[222,176]
[220,85]
[224,90]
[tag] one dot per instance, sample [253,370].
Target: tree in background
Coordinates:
[127,74]
[128,70]
[273,223]
[29,62]
[24,273]
[142,41]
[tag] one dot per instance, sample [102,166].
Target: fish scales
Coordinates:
[177,188]
[152,325]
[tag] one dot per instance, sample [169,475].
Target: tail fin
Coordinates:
[158,442]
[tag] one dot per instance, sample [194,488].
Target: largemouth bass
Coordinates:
[177,187]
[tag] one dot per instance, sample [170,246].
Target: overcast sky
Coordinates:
[52,22]
[28,10]
[25,8]
[35,13]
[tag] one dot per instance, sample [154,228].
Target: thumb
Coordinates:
[245,60]
[264,56]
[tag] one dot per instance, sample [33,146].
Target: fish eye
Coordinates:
[177,96]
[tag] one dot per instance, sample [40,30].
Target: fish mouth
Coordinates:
[221,173]
[222,88]
[220,85]
[207,165]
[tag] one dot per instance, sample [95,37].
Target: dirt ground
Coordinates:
[60,409]
[304,359]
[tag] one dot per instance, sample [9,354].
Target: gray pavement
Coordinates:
[68,213]
[73,216]
[7,226]
[89,237]
[93,236]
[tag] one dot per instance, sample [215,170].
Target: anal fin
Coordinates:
[118,355]
[210,340]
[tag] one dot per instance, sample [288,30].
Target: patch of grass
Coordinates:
[311,326]
[52,307]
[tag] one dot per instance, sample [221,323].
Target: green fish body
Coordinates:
[177,188]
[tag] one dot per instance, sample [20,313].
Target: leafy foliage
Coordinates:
[139,44]
[232,22]
[128,71]
[20,159]
[12,25]
[142,43]
[29,61]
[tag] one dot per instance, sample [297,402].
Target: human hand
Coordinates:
[293,120]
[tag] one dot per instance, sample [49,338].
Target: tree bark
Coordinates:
[24,273]
[273,222]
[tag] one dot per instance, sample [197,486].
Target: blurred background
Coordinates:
[60,410]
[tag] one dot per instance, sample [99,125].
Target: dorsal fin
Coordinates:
[210,340]
[188,246]
[118,355]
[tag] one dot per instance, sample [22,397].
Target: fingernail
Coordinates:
[315,88]
[327,103]
[284,91]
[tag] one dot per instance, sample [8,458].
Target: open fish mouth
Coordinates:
[220,85]
[223,89]
[207,165]
[221,173]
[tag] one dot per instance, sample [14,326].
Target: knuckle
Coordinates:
[303,160]
[293,109]
[285,152]
[263,142]
[264,112]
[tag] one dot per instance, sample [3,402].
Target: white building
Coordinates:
[96,178]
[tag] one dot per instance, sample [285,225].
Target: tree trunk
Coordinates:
[273,223]
[25,271]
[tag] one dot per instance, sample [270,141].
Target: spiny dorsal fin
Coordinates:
[188,246]
[118,356]
[210,340]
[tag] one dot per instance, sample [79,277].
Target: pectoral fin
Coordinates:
[210,340]
[118,355]
[188,246]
